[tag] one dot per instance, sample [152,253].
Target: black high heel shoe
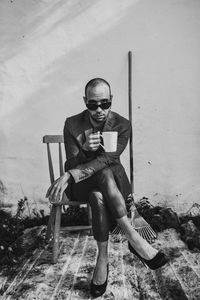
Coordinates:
[98,290]
[159,260]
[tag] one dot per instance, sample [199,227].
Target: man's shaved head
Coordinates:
[94,82]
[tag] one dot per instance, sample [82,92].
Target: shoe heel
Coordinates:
[132,250]
[156,262]
[145,265]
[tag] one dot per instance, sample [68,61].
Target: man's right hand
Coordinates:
[92,142]
[56,190]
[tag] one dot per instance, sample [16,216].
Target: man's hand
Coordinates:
[57,188]
[92,142]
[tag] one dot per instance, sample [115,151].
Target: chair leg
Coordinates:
[89,218]
[51,222]
[56,234]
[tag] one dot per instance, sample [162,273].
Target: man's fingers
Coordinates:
[94,143]
[55,194]
[49,191]
[61,193]
[55,191]
[51,187]
[94,147]
[54,198]
[95,138]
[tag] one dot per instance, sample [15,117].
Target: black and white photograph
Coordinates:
[99,149]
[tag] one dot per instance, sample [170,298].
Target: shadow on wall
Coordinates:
[54,38]
[41,74]
[39,48]
[40,20]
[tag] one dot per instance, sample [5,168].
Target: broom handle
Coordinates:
[130,119]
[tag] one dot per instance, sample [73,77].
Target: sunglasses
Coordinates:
[94,106]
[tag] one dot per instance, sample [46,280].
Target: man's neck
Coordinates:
[97,126]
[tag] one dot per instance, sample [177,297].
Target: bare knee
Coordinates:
[106,173]
[105,177]
[96,198]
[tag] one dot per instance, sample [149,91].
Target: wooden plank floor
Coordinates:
[38,279]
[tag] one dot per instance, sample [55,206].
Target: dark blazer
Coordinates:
[83,164]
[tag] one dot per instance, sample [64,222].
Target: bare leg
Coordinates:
[116,203]
[100,225]
[101,220]
[100,272]
[137,242]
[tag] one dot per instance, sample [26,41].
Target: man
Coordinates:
[96,175]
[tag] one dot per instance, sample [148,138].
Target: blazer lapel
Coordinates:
[109,122]
[85,128]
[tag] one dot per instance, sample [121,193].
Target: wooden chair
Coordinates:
[54,223]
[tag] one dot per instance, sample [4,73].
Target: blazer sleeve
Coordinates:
[102,160]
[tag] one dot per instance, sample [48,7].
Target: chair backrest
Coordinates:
[54,139]
[58,139]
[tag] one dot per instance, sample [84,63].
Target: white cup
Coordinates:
[110,141]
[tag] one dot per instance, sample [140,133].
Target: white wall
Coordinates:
[51,48]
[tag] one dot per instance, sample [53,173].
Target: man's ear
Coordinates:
[111,96]
[85,99]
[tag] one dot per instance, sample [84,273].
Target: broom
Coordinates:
[137,221]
